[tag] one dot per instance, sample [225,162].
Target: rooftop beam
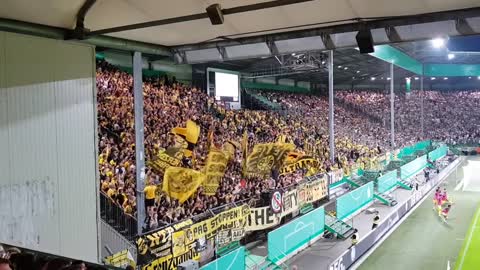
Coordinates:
[223,53]
[80,31]
[198,16]
[392,34]
[349,26]
[463,27]
[272,47]
[41,30]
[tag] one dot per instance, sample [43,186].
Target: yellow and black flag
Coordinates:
[165,158]
[266,157]
[181,183]
[189,134]
[293,157]
[229,148]
[214,171]
[309,163]
[244,150]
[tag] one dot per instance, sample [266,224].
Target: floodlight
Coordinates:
[438,42]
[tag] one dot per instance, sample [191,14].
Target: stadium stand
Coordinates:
[177,103]
[300,119]
[449,115]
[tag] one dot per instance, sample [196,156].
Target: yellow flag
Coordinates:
[229,148]
[282,138]
[293,157]
[190,134]
[172,156]
[214,170]
[266,157]
[181,183]
[244,150]
[303,162]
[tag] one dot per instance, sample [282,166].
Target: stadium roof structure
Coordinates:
[252,27]
[256,34]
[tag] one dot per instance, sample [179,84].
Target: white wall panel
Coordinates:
[304,84]
[287,82]
[270,80]
[48,186]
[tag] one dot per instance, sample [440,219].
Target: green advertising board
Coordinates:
[234,260]
[291,236]
[413,167]
[438,153]
[354,200]
[387,181]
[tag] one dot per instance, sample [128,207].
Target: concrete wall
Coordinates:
[48,154]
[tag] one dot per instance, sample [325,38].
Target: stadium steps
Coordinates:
[371,175]
[255,262]
[338,227]
[265,102]
[355,183]
[404,184]
[384,199]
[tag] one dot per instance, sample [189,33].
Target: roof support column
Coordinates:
[392,108]
[331,123]
[139,139]
[422,96]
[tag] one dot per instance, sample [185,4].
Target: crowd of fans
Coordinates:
[169,104]
[303,121]
[350,129]
[449,116]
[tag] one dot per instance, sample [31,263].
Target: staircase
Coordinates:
[255,262]
[404,184]
[384,199]
[263,101]
[371,175]
[354,182]
[338,227]
[394,164]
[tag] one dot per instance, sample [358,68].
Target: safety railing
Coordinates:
[114,215]
[113,242]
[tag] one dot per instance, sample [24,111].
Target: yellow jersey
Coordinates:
[150,192]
